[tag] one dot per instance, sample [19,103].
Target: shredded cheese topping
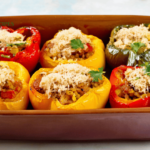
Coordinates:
[62,41]
[63,77]
[126,36]
[6,74]
[10,38]
[138,79]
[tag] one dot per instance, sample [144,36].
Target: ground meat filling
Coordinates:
[10,85]
[76,55]
[36,85]
[66,94]
[10,90]
[130,88]
[128,92]
[71,95]
[60,47]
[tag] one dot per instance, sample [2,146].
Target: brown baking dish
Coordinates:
[101,124]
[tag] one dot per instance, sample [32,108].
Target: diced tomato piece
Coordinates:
[7,94]
[5,55]
[90,48]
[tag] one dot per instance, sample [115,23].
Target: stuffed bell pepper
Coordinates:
[130,86]
[21,45]
[72,46]
[129,45]
[68,87]
[14,80]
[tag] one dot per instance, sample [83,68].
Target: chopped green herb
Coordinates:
[96,74]
[136,46]
[17,44]
[5,56]
[137,78]
[146,24]
[76,43]
[147,68]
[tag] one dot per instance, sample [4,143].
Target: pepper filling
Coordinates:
[66,83]
[135,83]
[136,38]
[11,43]
[10,85]
[70,44]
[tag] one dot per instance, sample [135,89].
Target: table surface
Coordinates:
[105,145]
[74,7]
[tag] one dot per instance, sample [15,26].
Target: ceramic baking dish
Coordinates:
[101,124]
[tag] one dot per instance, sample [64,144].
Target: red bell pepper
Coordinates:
[29,56]
[116,79]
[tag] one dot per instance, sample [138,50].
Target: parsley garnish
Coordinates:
[76,43]
[147,68]
[136,46]
[17,44]
[137,78]
[96,74]
[5,56]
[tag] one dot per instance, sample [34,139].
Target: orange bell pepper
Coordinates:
[97,60]
[20,101]
[95,98]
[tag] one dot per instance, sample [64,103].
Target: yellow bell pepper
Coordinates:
[95,98]
[20,101]
[95,61]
